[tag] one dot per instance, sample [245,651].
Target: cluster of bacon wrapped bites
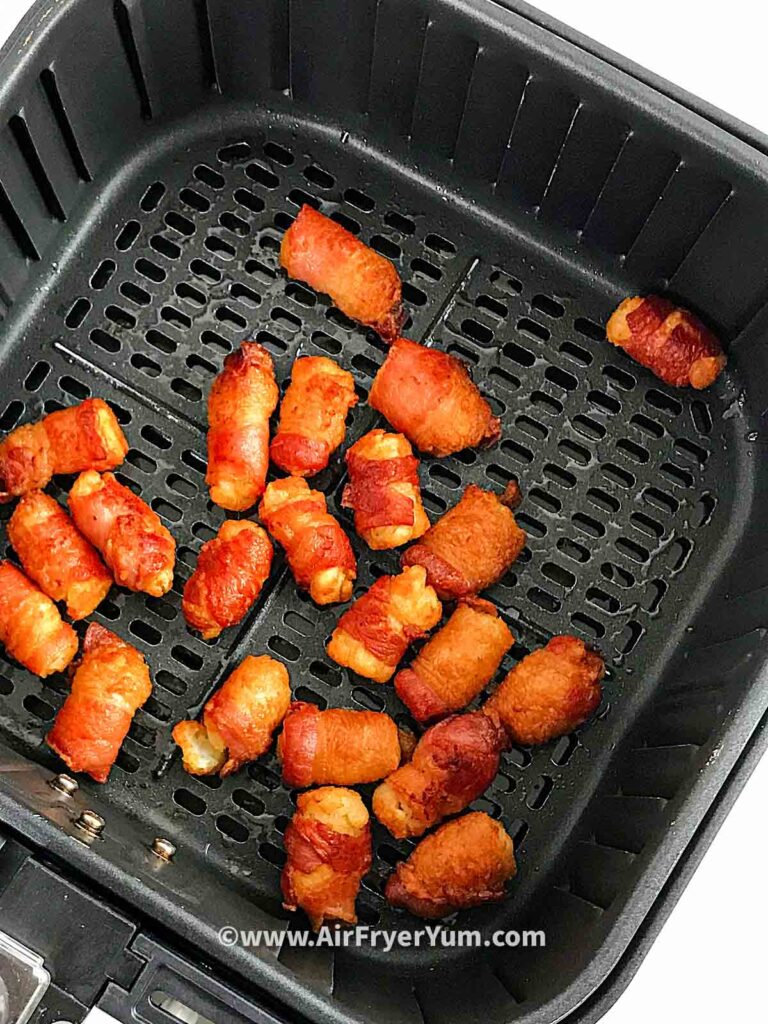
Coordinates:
[111,535]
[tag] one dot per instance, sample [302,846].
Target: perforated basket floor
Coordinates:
[620,476]
[641,504]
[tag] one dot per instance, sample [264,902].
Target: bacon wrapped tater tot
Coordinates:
[463,864]
[136,546]
[239,719]
[31,628]
[454,762]
[109,685]
[318,551]
[472,545]
[384,491]
[669,341]
[373,635]
[243,397]
[56,556]
[328,847]
[456,663]
[429,396]
[85,436]
[364,285]
[313,415]
[549,693]
[230,572]
[336,747]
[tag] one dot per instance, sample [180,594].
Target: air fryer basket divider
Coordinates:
[637,499]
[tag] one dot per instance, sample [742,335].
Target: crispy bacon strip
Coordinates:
[453,763]
[328,847]
[230,572]
[243,397]
[336,747]
[131,538]
[472,545]
[548,693]
[456,663]
[31,629]
[669,341]
[364,285]
[109,685]
[85,436]
[429,396]
[463,864]
[373,635]
[318,551]
[384,490]
[238,720]
[61,561]
[313,415]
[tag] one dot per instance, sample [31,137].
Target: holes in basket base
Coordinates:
[232,828]
[102,275]
[539,793]
[155,437]
[180,224]
[37,376]
[127,235]
[190,801]
[234,153]
[186,390]
[629,637]
[564,750]
[559,476]
[78,312]
[189,659]
[248,802]
[262,175]
[325,673]
[170,682]
[39,708]
[284,648]
[152,197]
[150,270]
[11,415]
[273,854]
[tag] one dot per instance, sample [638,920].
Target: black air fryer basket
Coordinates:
[152,154]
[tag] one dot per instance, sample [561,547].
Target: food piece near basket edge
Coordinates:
[471,545]
[31,628]
[109,684]
[238,720]
[384,490]
[231,570]
[328,850]
[668,340]
[313,415]
[373,635]
[337,746]
[429,396]
[242,399]
[317,548]
[456,663]
[454,762]
[131,537]
[464,863]
[549,693]
[84,436]
[364,285]
[56,556]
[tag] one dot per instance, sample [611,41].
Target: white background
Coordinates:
[707,965]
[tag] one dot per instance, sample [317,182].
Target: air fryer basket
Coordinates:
[152,155]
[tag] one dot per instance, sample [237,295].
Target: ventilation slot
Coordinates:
[20,132]
[51,89]
[125,30]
